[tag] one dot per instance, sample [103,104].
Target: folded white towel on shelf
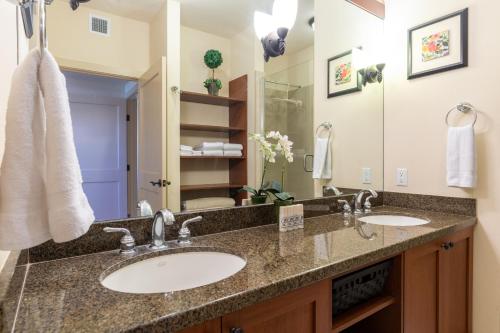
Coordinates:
[205,203]
[461,157]
[233,153]
[213,153]
[210,146]
[41,194]
[197,153]
[233,146]
[322,162]
[186,153]
[185,147]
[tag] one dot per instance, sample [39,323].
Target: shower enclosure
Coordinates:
[288,108]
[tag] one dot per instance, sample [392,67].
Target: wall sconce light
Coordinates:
[369,73]
[311,23]
[372,74]
[273,29]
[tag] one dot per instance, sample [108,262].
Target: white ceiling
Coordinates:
[224,18]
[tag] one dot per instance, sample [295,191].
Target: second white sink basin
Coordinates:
[174,272]
[393,220]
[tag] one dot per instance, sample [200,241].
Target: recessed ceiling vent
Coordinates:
[99,25]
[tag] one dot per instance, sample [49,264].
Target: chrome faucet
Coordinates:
[184,233]
[127,242]
[358,200]
[335,190]
[162,217]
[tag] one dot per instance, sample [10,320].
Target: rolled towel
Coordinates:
[233,153]
[210,146]
[233,146]
[213,153]
[461,157]
[204,203]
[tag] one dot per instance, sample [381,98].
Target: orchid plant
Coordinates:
[272,145]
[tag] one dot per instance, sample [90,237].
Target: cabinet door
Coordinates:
[437,286]
[421,274]
[212,326]
[307,310]
[455,284]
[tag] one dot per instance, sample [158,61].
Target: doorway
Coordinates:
[100,110]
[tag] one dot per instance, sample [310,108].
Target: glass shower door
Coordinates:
[288,108]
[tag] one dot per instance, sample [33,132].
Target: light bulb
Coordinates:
[285,13]
[263,24]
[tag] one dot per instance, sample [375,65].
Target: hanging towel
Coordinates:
[23,208]
[41,194]
[233,146]
[461,157]
[322,163]
[70,215]
[210,146]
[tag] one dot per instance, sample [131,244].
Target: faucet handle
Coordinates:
[368,205]
[127,242]
[184,233]
[346,207]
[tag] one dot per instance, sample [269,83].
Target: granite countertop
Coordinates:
[66,295]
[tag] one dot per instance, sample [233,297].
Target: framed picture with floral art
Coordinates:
[439,45]
[343,78]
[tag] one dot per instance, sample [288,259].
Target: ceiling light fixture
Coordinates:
[273,29]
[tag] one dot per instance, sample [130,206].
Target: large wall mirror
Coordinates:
[153,121]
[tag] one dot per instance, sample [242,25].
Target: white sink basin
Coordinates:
[393,220]
[174,272]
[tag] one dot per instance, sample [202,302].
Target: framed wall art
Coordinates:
[439,45]
[343,78]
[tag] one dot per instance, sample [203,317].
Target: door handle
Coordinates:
[236,330]
[160,183]
[305,162]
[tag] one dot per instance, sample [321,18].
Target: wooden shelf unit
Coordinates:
[236,130]
[209,187]
[193,97]
[211,128]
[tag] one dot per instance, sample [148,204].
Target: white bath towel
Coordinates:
[233,146]
[461,157]
[41,195]
[322,162]
[185,147]
[210,146]
[213,153]
[233,153]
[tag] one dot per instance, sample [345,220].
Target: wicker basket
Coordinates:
[359,287]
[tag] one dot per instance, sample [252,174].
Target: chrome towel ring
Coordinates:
[326,125]
[463,108]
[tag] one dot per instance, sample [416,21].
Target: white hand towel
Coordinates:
[322,163]
[70,215]
[213,153]
[210,146]
[41,195]
[461,157]
[23,208]
[233,146]
[233,153]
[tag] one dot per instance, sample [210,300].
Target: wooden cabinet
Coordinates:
[307,310]
[212,326]
[437,286]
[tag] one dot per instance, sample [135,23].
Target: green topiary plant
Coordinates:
[213,59]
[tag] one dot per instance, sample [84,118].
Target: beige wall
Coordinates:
[358,117]
[8,62]
[125,52]
[158,35]
[415,132]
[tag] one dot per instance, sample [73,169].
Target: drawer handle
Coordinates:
[237,330]
[447,245]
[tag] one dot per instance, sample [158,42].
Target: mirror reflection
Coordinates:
[194,104]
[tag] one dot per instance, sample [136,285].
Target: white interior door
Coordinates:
[152,135]
[99,125]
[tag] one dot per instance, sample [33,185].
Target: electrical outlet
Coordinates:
[402,177]
[366,177]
